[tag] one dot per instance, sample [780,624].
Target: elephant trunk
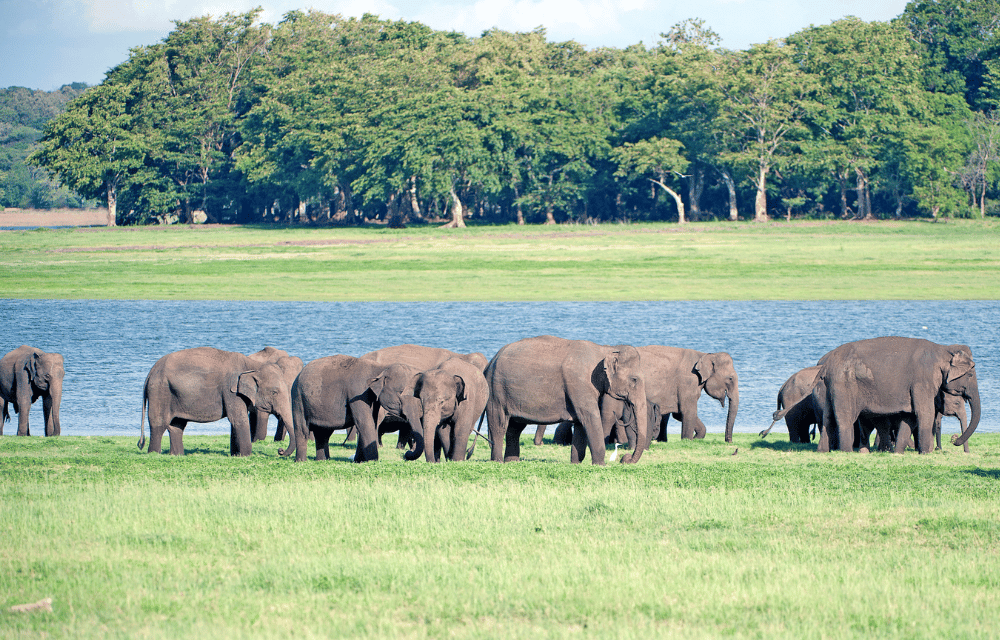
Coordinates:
[734,405]
[637,400]
[412,410]
[971,394]
[50,407]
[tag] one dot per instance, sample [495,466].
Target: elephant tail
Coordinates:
[142,415]
[475,440]
[778,415]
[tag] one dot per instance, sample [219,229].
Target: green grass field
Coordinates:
[775,541]
[693,542]
[913,260]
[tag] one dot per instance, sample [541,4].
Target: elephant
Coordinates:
[290,367]
[26,374]
[441,407]
[205,384]
[422,359]
[341,392]
[795,405]
[546,380]
[675,378]
[887,376]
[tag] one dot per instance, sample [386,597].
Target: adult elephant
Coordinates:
[546,380]
[205,384]
[290,367]
[441,407]
[27,374]
[340,392]
[676,377]
[795,405]
[888,376]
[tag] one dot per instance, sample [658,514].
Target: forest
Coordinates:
[326,119]
[23,115]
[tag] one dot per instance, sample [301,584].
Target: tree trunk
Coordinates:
[456,212]
[731,187]
[760,201]
[549,216]
[396,218]
[864,198]
[696,184]
[842,181]
[677,199]
[414,203]
[982,202]
[112,211]
[517,206]
[303,218]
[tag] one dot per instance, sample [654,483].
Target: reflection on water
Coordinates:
[109,346]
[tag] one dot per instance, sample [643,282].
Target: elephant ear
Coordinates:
[246,386]
[705,367]
[459,388]
[961,364]
[31,366]
[611,363]
[377,384]
[413,409]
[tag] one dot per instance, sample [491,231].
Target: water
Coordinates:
[109,346]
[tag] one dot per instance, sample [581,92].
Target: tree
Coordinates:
[984,132]
[658,156]
[97,146]
[765,103]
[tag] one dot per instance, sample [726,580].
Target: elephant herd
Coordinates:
[597,394]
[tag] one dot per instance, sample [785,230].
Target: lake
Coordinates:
[109,346]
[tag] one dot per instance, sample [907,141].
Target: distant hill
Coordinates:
[23,114]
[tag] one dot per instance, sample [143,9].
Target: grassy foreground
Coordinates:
[693,542]
[914,260]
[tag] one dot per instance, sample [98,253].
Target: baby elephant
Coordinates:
[206,384]
[26,374]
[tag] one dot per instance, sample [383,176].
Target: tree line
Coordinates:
[323,118]
[23,114]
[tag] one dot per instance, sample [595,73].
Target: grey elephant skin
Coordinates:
[290,367]
[340,392]
[883,377]
[675,379]
[547,380]
[205,384]
[420,358]
[450,398]
[795,405]
[623,430]
[26,374]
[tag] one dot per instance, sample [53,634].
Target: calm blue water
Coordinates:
[109,346]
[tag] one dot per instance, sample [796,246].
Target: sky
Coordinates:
[47,43]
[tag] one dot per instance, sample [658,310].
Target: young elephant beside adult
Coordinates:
[675,378]
[290,367]
[441,407]
[205,384]
[340,392]
[420,358]
[26,374]
[623,430]
[546,380]
[888,376]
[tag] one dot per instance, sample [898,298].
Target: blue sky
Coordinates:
[47,43]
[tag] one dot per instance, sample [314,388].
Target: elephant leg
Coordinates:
[512,450]
[23,409]
[937,430]
[539,434]
[258,423]
[176,433]
[662,437]
[239,435]
[578,445]
[904,434]
[497,424]
[322,442]
[591,422]
[367,450]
